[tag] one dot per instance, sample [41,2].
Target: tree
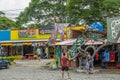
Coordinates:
[42,12]
[111,8]
[6,23]
[2,13]
[92,10]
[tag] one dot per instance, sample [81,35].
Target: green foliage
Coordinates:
[42,11]
[35,26]
[6,23]
[92,10]
[2,13]
[111,7]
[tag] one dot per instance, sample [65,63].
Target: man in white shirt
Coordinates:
[39,53]
[46,50]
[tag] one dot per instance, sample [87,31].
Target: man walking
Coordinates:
[65,65]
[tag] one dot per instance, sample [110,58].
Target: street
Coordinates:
[34,70]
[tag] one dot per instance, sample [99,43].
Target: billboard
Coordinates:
[113,29]
[46,30]
[28,33]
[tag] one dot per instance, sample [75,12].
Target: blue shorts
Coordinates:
[65,68]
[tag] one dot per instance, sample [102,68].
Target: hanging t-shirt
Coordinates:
[112,56]
[97,57]
[107,56]
[118,56]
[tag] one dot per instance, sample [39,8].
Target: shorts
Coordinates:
[65,69]
[39,55]
[87,67]
[91,65]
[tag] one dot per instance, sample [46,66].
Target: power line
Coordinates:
[12,10]
[11,14]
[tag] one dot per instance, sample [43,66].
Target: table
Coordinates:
[30,56]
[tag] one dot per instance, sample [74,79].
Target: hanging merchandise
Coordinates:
[118,56]
[97,56]
[112,56]
[118,53]
[107,56]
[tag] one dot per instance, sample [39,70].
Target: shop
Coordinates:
[5,50]
[108,57]
[76,31]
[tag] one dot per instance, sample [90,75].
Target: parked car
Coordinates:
[4,63]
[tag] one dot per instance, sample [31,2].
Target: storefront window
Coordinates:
[17,50]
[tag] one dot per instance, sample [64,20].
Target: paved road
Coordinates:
[32,70]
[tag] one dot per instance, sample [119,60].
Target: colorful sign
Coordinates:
[113,29]
[29,33]
[97,26]
[78,28]
[46,30]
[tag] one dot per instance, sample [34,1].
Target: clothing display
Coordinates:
[97,56]
[112,56]
[118,56]
[107,56]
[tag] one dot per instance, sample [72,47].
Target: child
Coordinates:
[87,66]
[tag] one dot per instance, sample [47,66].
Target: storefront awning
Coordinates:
[90,42]
[22,41]
[118,40]
[66,42]
[71,41]
[9,44]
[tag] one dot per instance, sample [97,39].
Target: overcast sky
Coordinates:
[13,7]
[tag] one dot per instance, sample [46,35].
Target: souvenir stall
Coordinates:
[107,57]
[118,56]
[17,49]
[5,50]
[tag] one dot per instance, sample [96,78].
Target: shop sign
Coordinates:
[97,26]
[46,30]
[29,33]
[78,28]
[113,29]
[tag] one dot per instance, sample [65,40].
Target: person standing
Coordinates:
[65,65]
[46,51]
[90,59]
[87,66]
[39,53]
[80,60]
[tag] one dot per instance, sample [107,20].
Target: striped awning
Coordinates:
[71,41]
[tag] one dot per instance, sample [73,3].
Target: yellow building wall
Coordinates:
[42,36]
[78,28]
[14,35]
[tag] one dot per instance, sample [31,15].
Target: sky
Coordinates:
[12,8]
